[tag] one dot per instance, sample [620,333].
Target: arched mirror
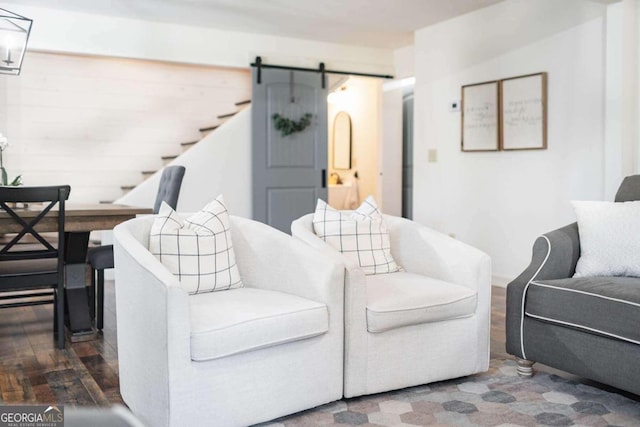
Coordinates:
[342,141]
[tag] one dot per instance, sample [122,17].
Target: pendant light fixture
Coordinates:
[14,35]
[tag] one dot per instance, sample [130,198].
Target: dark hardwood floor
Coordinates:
[32,370]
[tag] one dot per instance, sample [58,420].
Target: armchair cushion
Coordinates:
[361,235]
[241,320]
[580,303]
[197,250]
[609,243]
[402,299]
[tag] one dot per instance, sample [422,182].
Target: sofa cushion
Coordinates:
[245,319]
[607,306]
[402,299]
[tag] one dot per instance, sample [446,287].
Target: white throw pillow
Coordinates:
[609,238]
[197,250]
[361,235]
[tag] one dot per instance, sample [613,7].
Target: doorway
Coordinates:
[354,130]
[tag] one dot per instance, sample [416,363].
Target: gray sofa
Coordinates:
[586,326]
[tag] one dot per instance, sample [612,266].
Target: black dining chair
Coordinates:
[101,257]
[29,267]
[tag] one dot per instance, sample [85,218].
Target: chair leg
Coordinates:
[92,294]
[525,367]
[60,315]
[100,304]
[55,313]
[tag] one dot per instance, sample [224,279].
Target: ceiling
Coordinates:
[376,23]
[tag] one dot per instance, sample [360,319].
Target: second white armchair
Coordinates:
[428,323]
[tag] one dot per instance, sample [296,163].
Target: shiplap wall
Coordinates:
[95,123]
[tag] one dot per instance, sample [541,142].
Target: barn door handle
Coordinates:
[324,178]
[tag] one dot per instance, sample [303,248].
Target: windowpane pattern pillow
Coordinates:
[197,250]
[360,235]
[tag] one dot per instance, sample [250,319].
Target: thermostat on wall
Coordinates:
[454,106]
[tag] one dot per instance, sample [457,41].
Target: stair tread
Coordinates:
[106,202]
[148,172]
[224,116]
[127,187]
[169,157]
[248,101]
[209,128]
[189,143]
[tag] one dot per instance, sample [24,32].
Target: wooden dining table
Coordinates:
[80,221]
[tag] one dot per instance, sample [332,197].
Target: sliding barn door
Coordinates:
[289,170]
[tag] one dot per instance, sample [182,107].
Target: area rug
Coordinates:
[498,397]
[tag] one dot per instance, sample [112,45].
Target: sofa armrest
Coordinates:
[270,259]
[554,256]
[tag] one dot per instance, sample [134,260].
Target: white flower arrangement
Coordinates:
[4,181]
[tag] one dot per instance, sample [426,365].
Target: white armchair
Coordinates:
[428,323]
[233,357]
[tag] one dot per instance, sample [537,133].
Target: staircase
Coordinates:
[184,146]
[218,164]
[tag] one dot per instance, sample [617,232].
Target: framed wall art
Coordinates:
[523,112]
[480,123]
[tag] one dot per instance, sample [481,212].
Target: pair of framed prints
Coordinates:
[507,114]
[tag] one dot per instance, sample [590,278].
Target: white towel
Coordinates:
[352,201]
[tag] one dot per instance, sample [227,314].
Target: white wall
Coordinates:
[390,153]
[403,60]
[629,12]
[96,123]
[634,121]
[501,201]
[219,164]
[363,101]
[618,155]
[81,33]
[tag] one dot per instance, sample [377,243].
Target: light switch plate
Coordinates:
[432,156]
